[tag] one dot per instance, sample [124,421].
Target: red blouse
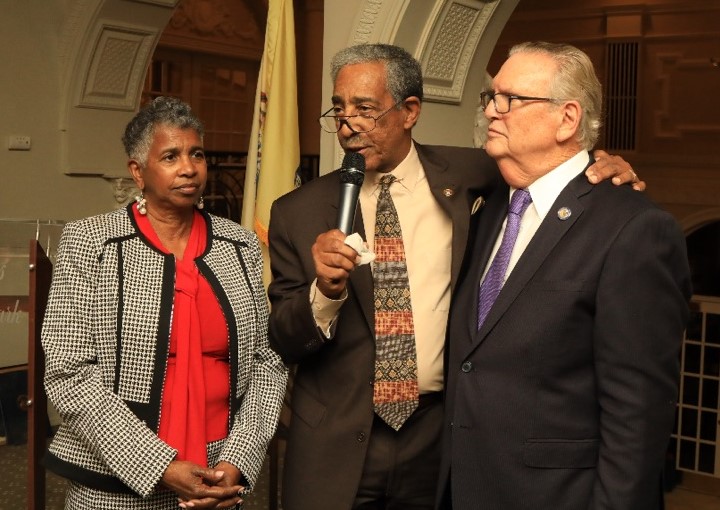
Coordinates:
[196,393]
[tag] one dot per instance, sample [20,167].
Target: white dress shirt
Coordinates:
[544,192]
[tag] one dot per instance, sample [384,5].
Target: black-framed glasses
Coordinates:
[358,123]
[502,102]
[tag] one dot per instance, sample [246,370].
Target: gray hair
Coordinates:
[169,111]
[576,80]
[402,72]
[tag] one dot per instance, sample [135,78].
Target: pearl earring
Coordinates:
[141,204]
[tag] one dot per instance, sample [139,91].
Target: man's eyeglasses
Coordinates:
[359,123]
[502,102]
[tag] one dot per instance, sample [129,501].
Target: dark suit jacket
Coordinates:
[332,389]
[565,398]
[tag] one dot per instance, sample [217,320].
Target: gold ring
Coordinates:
[634,176]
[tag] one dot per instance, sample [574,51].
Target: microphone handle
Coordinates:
[349,193]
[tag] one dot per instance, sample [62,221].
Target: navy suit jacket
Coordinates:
[565,398]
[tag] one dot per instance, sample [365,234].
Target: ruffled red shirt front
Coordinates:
[196,393]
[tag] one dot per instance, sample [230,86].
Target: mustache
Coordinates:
[353,141]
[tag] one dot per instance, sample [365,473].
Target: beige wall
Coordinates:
[71,81]
[32,184]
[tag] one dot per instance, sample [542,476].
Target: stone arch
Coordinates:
[104,50]
[106,45]
[697,220]
[452,39]
[702,232]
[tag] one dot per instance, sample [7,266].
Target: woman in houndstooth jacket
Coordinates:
[155,339]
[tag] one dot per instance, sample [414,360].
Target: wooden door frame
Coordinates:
[40,272]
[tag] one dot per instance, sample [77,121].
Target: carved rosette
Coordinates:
[124,190]
[216,26]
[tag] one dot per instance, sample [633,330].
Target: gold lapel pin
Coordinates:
[564,213]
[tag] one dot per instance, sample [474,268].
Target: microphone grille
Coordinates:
[351,176]
[354,160]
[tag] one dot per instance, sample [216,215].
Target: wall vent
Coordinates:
[621,96]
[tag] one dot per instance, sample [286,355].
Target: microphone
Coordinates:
[352,174]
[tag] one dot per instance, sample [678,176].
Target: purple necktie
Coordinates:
[495,277]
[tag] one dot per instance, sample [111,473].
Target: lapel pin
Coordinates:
[448,192]
[564,213]
[479,202]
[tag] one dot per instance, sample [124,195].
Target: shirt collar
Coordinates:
[546,189]
[407,173]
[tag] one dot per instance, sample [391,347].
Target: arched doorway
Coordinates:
[695,445]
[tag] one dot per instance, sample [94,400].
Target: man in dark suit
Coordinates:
[561,395]
[340,454]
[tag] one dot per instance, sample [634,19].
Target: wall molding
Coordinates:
[105,48]
[669,68]
[113,78]
[447,53]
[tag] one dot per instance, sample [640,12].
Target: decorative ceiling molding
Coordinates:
[447,52]
[447,42]
[113,77]
[226,27]
[370,13]
[217,18]
[377,21]
[104,51]
[79,15]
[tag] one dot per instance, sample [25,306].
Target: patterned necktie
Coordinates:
[396,387]
[495,277]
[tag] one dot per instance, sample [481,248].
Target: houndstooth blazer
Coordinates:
[106,336]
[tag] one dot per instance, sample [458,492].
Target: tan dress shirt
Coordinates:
[427,236]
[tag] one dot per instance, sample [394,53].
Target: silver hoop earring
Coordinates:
[141,204]
[200,204]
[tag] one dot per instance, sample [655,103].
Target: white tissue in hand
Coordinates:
[355,242]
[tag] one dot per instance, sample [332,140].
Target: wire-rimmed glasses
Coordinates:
[358,123]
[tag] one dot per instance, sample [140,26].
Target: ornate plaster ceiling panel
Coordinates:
[113,78]
[448,51]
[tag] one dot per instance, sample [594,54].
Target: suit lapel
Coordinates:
[552,229]
[486,229]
